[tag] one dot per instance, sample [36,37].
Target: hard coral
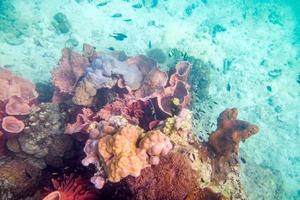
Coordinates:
[12,125]
[42,139]
[72,188]
[224,142]
[18,179]
[17,106]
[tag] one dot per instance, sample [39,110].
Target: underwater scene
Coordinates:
[149,99]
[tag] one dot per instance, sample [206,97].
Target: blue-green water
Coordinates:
[251,50]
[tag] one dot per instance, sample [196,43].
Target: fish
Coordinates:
[117,15]
[119,36]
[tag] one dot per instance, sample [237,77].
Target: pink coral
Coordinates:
[156,144]
[83,119]
[12,125]
[17,106]
[12,85]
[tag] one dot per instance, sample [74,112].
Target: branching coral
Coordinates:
[225,141]
[72,188]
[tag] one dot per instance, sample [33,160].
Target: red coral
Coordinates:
[129,108]
[224,142]
[72,188]
[173,178]
[65,77]
[12,125]
[12,85]
[17,106]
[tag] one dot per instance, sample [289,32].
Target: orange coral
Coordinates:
[121,155]
[224,142]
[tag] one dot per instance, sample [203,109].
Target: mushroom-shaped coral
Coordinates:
[225,141]
[12,125]
[71,188]
[155,143]
[17,106]
[121,155]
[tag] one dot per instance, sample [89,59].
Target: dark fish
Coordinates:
[127,20]
[101,4]
[243,160]
[117,15]
[137,5]
[149,44]
[119,36]
[111,48]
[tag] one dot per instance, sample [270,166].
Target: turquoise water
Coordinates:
[250,52]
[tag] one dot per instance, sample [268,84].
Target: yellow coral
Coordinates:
[121,155]
[169,125]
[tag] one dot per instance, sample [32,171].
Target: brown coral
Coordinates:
[224,142]
[172,179]
[12,125]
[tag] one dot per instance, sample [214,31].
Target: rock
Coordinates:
[61,23]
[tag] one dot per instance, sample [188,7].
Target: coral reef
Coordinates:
[123,125]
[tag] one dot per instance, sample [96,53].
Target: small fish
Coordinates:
[127,20]
[119,36]
[111,48]
[117,15]
[102,4]
[137,5]
[149,44]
